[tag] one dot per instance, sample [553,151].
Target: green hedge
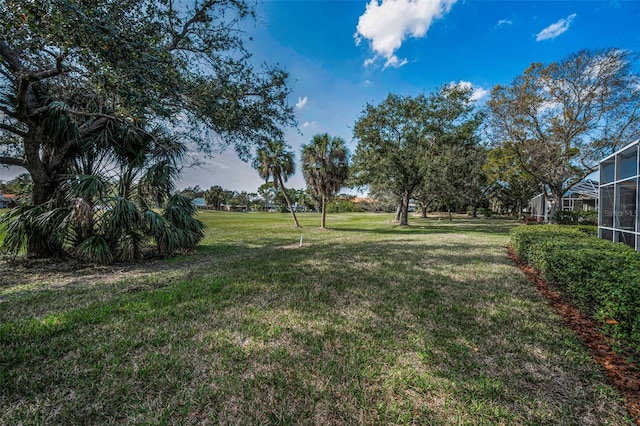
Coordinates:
[564,217]
[602,278]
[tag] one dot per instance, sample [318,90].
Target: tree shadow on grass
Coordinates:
[433,226]
[424,332]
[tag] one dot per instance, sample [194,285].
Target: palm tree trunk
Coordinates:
[284,193]
[324,212]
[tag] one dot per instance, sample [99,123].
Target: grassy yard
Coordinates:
[367,323]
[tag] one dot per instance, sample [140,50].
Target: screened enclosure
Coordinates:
[617,215]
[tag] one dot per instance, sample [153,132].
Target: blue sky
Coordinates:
[343,54]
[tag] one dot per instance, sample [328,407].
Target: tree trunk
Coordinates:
[284,193]
[555,205]
[324,212]
[398,213]
[404,214]
[450,218]
[42,191]
[423,211]
[474,211]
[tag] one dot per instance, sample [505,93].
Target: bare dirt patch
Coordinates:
[623,375]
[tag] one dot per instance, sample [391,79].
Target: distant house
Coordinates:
[8,201]
[200,203]
[233,208]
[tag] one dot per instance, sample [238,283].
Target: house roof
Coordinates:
[585,187]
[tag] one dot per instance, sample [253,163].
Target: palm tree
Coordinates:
[273,160]
[325,167]
[102,207]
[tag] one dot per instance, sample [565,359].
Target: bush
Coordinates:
[565,217]
[343,206]
[602,278]
[486,213]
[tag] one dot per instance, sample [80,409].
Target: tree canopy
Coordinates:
[511,187]
[400,139]
[77,77]
[561,118]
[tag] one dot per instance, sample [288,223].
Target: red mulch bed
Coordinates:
[624,376]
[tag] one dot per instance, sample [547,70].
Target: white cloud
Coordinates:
[504,22]
[477,92]
[554,30]
[387,24]
[301,102]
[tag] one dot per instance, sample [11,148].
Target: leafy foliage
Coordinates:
[103,74]
[102,212]
[401,141]
[510,186]
[601,277]
[560,119]
[343,206]
[566,217]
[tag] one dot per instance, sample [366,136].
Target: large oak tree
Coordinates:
[560,119]
[400,139]
[73,72]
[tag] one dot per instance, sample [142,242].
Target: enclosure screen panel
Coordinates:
[625,209]
[606,234]
[607,171]
[627,164]
[618,219]
[606,206]
[627,238]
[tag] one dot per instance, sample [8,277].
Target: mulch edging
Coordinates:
[625,377]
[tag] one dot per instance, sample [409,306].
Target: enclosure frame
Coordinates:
[619,196]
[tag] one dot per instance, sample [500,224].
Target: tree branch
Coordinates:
[198,16]
[13,130]
[11,57]
[12,161]
[8,112]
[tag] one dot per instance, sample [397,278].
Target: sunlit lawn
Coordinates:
[367,323]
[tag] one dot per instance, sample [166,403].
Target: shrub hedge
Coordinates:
[565,217]
[602,278]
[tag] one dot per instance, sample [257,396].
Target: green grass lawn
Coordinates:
[367,323]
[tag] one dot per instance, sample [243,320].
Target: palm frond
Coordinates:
[20,226]
[162,232]
[121,219]
[129,247]
[55,226]
[87,187]
[95,249]
[180,214]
